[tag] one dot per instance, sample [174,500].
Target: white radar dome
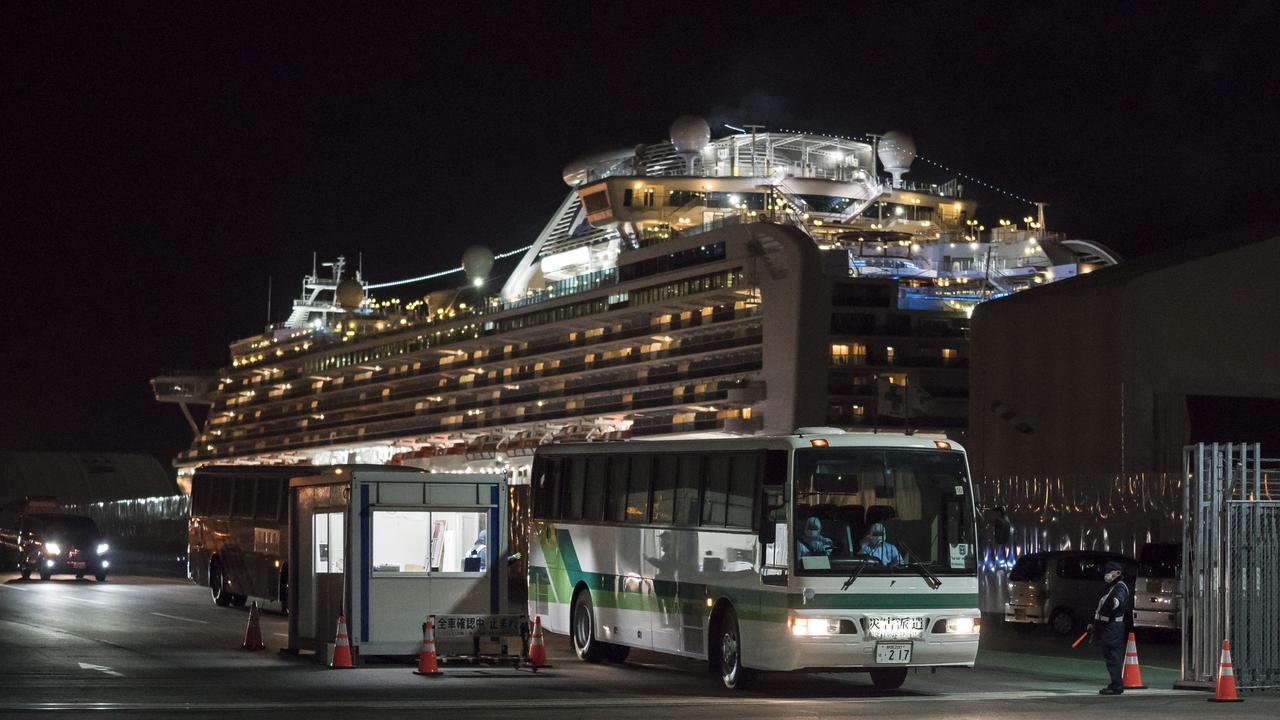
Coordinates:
[350,294]
[690,133]
[477,261]
[896,151]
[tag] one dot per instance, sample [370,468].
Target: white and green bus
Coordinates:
[819,551]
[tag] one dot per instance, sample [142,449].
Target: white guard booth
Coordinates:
[389,547]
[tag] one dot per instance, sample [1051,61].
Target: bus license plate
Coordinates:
[893,653]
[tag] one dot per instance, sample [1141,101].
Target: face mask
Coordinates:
[1112,576]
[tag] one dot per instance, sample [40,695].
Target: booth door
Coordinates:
[324,565]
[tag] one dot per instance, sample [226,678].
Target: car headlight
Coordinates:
[963,626]
[52,549]
[814,626]
[102,548]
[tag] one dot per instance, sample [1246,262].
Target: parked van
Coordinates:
[1060,589]
[1157,600]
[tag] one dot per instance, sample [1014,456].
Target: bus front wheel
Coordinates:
[889,679]
[729,653]
[583,629]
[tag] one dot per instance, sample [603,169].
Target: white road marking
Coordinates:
[283,635]
[83,600]
[13,587]
[604,702]
[100,668]
[183,619]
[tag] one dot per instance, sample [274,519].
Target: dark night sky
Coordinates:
[161,164]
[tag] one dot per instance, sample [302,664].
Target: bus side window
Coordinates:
[282,508]
[593,493]
[638,488]
[742,490]
[267,507]
[546,476]
[242,497]
[688,489]
[200,495]
[716,497]
[219,496]
[572,485]
[617,493]
[664,490]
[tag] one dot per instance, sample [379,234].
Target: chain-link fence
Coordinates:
[1231,563]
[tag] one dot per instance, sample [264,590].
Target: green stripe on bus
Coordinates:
[612,591]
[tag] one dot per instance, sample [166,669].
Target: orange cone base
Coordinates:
[1226,699]
[428,674]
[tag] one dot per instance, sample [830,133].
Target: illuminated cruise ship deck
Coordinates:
[752,282]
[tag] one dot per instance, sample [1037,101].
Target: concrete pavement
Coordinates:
[142,646]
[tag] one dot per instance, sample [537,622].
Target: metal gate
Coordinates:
[1231,563]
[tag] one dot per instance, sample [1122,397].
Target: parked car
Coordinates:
[1060,589]
[55,543]
[1157,598]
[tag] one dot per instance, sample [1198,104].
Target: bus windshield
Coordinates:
[877,511]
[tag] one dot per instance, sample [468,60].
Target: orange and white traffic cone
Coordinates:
[537,647]
[1132,671]
[253,633]
[427,664]
[341,646]
[1226,690]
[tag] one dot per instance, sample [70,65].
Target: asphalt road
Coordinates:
[159,648]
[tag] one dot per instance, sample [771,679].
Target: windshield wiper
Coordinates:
[864,563]
[929,578]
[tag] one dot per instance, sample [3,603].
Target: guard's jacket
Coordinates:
[1109,618]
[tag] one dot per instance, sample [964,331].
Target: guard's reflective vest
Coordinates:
[1113,605]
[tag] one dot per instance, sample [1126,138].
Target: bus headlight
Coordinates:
[102,548]
[807,626]
[963,626]
[52,549]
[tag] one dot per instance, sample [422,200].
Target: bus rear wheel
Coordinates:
[217,586]
[582,628]
[889,679]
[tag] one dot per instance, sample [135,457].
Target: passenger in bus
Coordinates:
[875,545]
[813,542]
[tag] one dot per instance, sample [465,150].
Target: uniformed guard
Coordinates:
[1107,630]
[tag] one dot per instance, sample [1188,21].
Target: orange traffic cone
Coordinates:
[1226,690]
[253,633]
[341,646]
[427,664]
[537,648]
[1132,672]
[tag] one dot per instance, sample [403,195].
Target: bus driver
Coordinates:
[875,546]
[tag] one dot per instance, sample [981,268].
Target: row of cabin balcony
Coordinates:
[712,360]
[650,399]
[459,359]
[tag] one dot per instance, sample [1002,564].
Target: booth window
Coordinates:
[330,545]
[419,541]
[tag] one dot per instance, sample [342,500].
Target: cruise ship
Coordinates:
[751,280]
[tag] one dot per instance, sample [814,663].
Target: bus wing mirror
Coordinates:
[773,500]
